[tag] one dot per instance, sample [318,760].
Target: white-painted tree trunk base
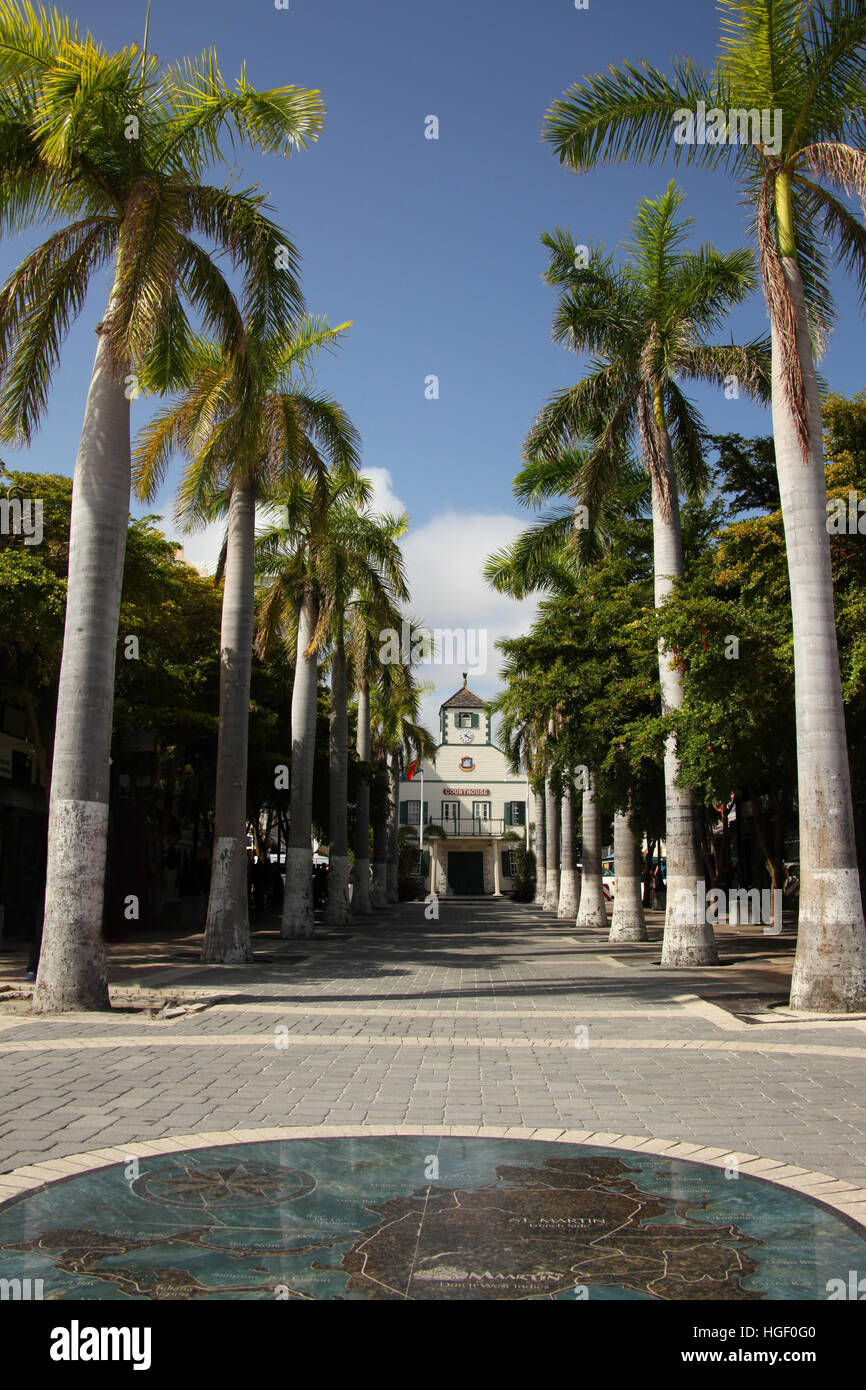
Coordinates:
[72,971]
[337,909]
[361,903]
[591,910]
[628,922]
[569,894]
[298,900]
[378,894]
[688,937]
[551,890]
[227,929]
[829,973]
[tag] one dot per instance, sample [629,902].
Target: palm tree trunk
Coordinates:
[629,923]
[227,927]
[393,829]
[591,911]
[378,891]
[569,889]
[72,970]
[361,896]
[540,847]
[298,901]
[830,964]
[551,817]
[337,910]
[688,937]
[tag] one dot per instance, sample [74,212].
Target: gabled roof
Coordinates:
[464,699]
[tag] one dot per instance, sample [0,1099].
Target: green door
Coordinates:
[466,871]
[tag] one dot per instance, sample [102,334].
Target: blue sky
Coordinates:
[431,247]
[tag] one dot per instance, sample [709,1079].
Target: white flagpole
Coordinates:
[526,814]
[421,826]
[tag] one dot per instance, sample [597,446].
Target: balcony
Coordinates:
[467,827]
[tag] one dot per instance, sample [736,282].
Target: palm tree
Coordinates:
[646,324]
[569,885]
[372,614]
[804,63]
[364,554]
[628,922]
[302,559]
[521,734]
[114,147]
[395,708]
[591,910]
[247,429]
[552,799]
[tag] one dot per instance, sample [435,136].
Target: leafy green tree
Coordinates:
[114,147]
[805,66]
[647,325]
[249,429]
[329,549]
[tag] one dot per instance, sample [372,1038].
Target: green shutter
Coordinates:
[426,812]
[404,813]
[474,719]
[508,806]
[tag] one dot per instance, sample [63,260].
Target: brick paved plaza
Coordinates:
[495,1017]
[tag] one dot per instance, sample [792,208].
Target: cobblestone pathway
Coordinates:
[494,1016]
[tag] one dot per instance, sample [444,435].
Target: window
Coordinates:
[450,810]
[515,813]
[410,812]
[466,721]
[481,810]
[509,863]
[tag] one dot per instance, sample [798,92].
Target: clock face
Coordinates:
[467,736]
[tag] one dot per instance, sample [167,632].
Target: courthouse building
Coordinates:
[475,808]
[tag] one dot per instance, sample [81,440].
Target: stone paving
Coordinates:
[496,1016]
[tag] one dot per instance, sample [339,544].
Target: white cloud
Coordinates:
[384,497]
[444,562]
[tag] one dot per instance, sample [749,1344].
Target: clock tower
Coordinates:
[464,719]
[473,807]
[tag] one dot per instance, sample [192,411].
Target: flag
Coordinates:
[412,769]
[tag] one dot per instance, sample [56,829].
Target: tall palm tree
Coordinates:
[569,885]
[522,735]
[591,911]
[364,555]
[552,812]
[249,428]
[646,325]
[372,614]
[628,922]
[114,148]
[300,558]
[396,734]
[804,62]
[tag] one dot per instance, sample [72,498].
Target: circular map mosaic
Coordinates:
[422,1218]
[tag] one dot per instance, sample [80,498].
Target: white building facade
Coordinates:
[475,809]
